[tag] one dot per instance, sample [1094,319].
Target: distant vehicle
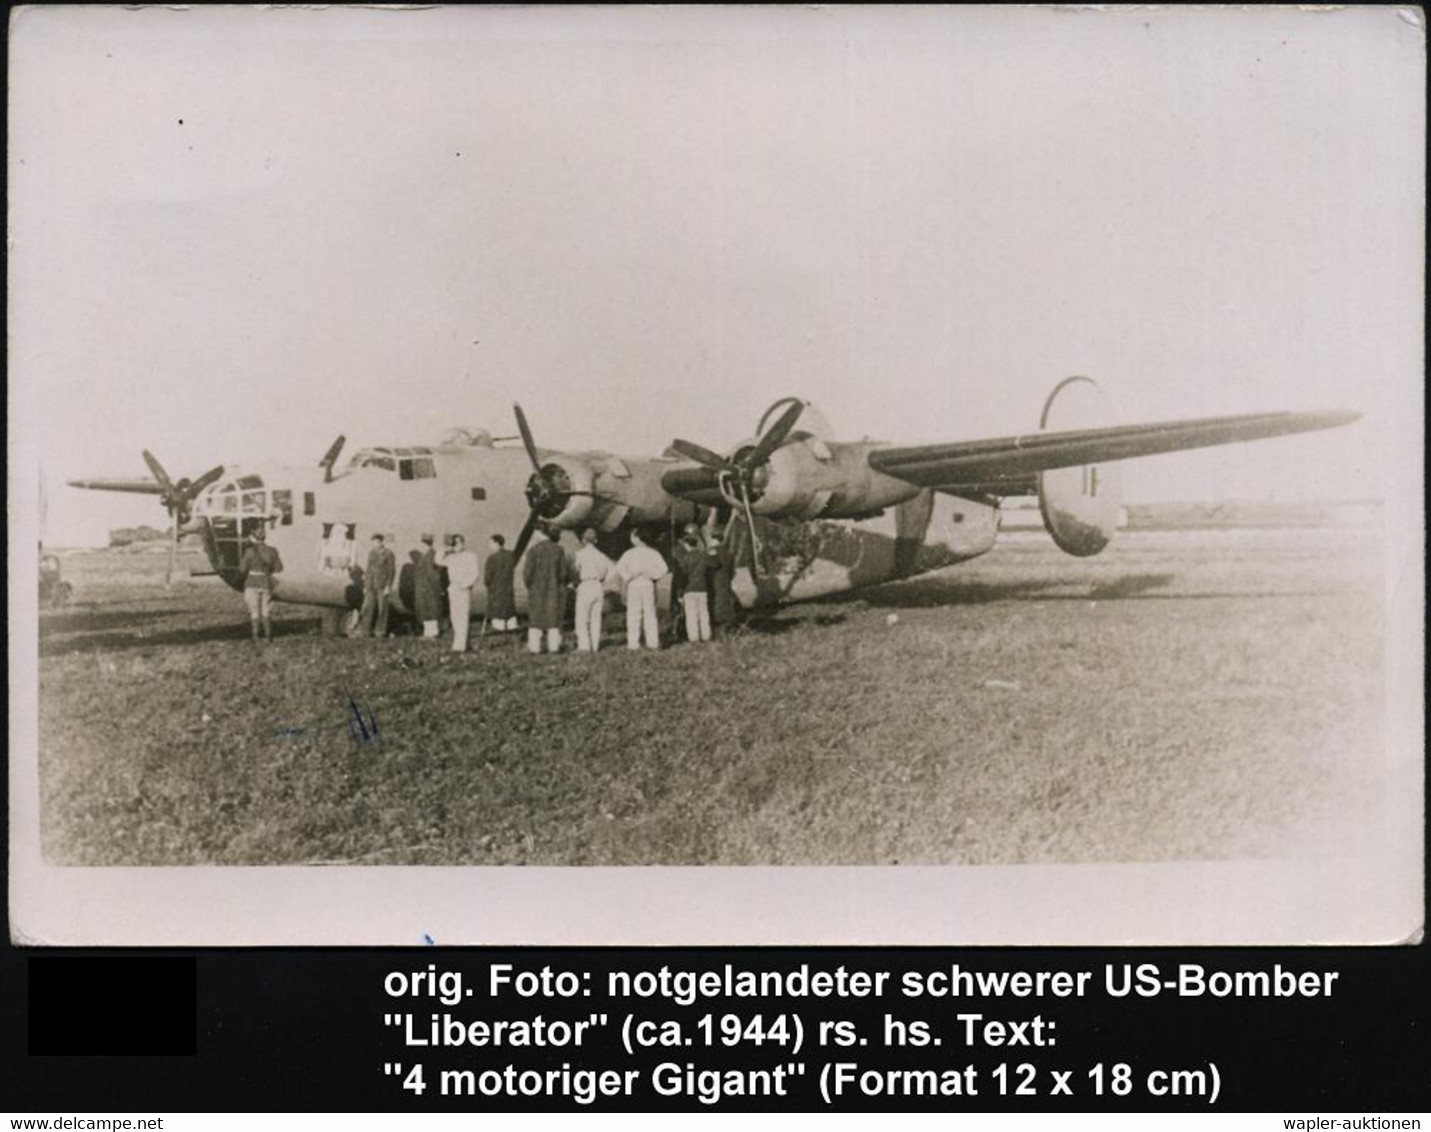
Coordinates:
[807,515]
[54,590]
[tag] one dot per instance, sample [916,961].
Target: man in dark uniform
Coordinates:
[721,560]
[693,568]
[378,581]
[498,577]
[546,572]
[259,564]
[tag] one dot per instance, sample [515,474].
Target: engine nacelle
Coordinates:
[601,490]
[562,493]
[808,479]
[630,491]
[1081,505]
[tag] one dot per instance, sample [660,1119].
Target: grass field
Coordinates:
[1199,696]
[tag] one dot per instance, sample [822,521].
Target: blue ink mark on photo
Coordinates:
[362,724]
[363,730]
[294,732]
[427,939]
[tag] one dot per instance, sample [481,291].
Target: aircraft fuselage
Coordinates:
[323,527]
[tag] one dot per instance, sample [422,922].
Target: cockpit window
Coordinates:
[245,496]
[374,458]
[409,463]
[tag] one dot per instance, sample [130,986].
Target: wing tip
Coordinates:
[1330,418]
[132,486]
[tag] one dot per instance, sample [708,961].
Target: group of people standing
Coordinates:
[426,589]
[703,576]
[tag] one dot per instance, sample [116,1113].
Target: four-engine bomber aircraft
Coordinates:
[809,515]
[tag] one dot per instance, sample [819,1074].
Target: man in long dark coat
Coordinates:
[546,572]
[498,576]
[407,582]
[721,559]
[427,589]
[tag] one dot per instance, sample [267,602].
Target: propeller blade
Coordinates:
[527,442]
[526,535]
[703,456]
[330,457]
[166,485]
[776,435]
[196,489]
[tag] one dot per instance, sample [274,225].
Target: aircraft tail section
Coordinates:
[1080,505]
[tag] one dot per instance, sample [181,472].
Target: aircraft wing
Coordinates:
[1008,465]
[136,485]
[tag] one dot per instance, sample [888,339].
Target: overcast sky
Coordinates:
[236,233]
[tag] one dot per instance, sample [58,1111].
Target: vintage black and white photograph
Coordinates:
[716,475]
